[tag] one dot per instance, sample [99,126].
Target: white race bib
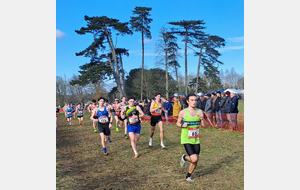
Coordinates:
[103,119]
[133,120]
[193,133]
[158,111]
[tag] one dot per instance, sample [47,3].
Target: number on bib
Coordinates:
[193,133]
[103,119]
[133,120]
[158,111]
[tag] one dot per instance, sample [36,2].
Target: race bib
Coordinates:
[158,111]
[133,120]
[193,133]
[103,119]
[80,113]
[69,113]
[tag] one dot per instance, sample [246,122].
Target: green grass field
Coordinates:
[80,163]
[241,106]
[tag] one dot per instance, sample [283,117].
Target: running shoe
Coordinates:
[189,179]
[105,154]
[136,155]
[162,145]
[150,142]
[117,128]
[126,136]
[182,161]
[80,125]
[95,131]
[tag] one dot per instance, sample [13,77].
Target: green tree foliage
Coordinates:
[102,29]
[140,23]
[154,82]
[208,55]
[187,29]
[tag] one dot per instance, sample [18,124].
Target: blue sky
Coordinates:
[222,18]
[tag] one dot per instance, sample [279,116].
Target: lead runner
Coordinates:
[189,120]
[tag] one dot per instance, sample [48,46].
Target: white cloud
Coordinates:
[60,34]
[236,39]
[227,49]
[145,41]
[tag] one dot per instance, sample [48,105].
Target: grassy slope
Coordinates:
[80,163]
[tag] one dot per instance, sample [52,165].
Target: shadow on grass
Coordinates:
[213,168]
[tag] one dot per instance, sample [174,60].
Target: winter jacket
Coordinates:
[224,104]
[203,104]
[199,104]
[176,108]
[217,104]
[213,104]
[167,106]
[234,105]
[208,106]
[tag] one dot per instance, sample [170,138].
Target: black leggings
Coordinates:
[192,149]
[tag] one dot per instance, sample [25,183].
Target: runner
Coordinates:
[104,124]
[79,111]
[122,121]
[155,109]
[65,109]
[133,113]
[106,104]
[189,120]
[91,107]
[57,112]
[73,110]
[68,114]
[117,111]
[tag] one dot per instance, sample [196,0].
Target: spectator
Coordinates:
[177,106]
[208,109]
[199,103]
[184,103]
[233,109]
[213,115]
[167,106]
[224,105]
[217,110]
[204,103]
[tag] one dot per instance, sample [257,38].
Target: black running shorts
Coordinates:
[154,120]
[103,128]
[192,149]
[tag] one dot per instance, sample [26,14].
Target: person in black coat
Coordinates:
[199,103]
[233,109]
[218,110]
[224,105]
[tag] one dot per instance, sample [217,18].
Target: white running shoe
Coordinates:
[182,161]
[189,179]
[162,145]
[150,142]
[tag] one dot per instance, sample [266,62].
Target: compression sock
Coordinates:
[104,149]
[188,175]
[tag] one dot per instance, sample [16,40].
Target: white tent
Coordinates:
[235,91]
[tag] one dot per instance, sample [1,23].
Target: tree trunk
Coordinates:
[185,56]
[123,76]
[167,83]
[142,65]
[198,70]
[116,72]
[176,78]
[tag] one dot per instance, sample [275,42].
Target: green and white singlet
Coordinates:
[190,134]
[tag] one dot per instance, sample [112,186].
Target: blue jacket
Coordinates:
[234,105]
[167,106]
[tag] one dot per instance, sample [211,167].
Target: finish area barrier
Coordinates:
[224,121]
